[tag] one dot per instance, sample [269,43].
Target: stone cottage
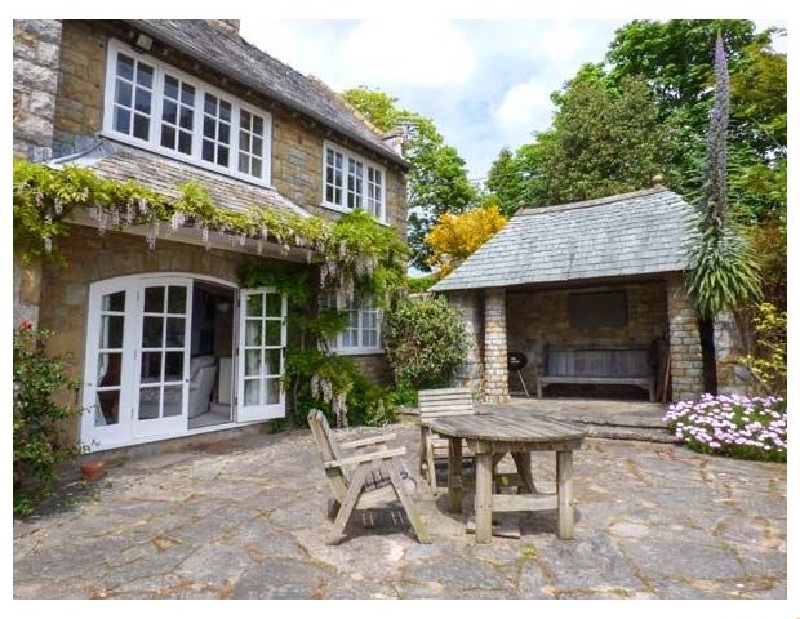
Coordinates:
[163,338]
[591,295]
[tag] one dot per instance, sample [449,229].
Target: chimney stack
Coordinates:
[229,26]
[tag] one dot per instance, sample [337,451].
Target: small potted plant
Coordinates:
[92,470]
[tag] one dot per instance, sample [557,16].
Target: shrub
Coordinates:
[768,362]
[426,342]
[735,426]
[40,447]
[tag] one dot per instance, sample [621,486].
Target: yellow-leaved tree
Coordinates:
[456,237]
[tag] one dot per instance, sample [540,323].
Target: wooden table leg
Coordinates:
[483,498]
[564,481]
[522,460]
[454,478]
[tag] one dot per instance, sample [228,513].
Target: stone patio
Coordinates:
[245,518]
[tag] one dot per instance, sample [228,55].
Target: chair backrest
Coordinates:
[329,450]
[445,402]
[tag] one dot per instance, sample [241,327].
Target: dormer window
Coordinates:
[351,181]
[154,106]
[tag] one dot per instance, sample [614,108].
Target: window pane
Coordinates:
[329,156]
[208,150]
[111,331]
[154,299]
[211,104]
[252,362]
[176,332]
[124,94]
[109,369]
[108,407]
[225,110]
[187,118]
[141,126]
[244,120]
[125,66]
[273,394]
[224,133]
[177,300]
[244,163]
[209,128]
[151,367]
[142,101]
[222,156]
[273,305]
[167,136]
[255,305]
[170,113]
[251,391]
[258,125]
[114,302]
[252,333]
[258,146]
[272,361]
[272,333]
[122,120]
[149,403]
[329,193]
[257,172]
[185,142]
[244,141]
[144,75]
[153,332]
[173,401]
[187,94]
[170,87]
[173,366]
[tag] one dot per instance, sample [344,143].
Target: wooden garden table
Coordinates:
[493,434]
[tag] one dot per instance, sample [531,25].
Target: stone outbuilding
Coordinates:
[590,295]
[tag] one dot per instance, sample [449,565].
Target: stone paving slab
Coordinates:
[246,519]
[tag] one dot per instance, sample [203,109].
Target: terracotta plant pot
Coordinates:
[92,471]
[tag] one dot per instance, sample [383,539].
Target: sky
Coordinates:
[485,83]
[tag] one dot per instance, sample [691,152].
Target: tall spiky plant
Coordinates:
[724,271]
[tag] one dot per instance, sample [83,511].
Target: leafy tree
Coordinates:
[456,237]
[438,180]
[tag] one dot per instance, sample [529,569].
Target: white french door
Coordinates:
[162,385]
[262,345]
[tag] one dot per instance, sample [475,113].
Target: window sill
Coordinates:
[342,209]
[357,352]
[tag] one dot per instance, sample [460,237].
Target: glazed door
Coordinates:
[161,396]
[261,352]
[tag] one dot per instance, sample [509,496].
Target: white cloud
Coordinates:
[525,105]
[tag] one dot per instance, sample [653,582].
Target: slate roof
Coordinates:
[629,234]
[234,57]
[120,162]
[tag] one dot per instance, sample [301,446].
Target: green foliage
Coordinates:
[420,284]
[438,180]
[40,446]
[426,341]
[767,363]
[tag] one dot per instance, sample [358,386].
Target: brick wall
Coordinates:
[297,142]
[539,318]
[495,384]
[685,351]
[470,303]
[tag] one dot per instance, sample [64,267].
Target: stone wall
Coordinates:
[538,318]
[297,142]
[732,377]
[496,365]
[470,303]
[37,44]
[685,351]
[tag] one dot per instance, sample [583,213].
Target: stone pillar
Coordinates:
[731,376]
[496,363]
[37,52]
[470,374]
[684,343]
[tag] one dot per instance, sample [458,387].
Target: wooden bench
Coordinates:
[598,366]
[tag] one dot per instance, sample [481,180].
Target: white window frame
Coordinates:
[336,346]
[201,88]
[349,156]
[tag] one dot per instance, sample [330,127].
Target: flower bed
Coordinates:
[735,426]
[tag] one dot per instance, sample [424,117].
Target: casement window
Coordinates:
[351,182]
[154,106]
[362,335]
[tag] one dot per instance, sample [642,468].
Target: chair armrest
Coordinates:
[378,455]
[368,441]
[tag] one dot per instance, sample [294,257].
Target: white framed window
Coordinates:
[351,181]
[157,107]
[362,335]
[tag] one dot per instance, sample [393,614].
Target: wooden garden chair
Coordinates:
[440,403]
[363,481]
